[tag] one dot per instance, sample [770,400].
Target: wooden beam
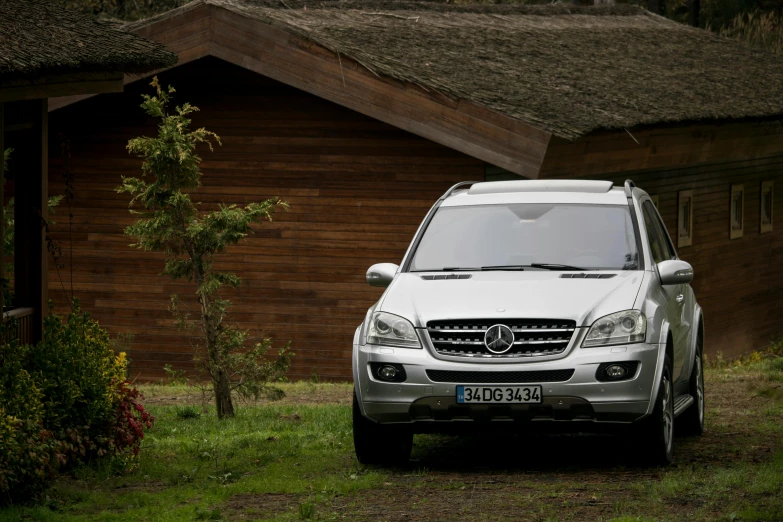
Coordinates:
[2,206]
[661,147]
[61,85]
[30,211]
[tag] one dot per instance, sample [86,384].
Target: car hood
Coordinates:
[517,295]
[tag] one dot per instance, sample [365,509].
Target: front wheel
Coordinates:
[656,432]
[380,444]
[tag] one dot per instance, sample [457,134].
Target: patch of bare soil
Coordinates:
[260,506]
[477,501]
[314,394]
[151,486]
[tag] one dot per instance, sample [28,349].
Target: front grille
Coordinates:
[466,377]
[532,337]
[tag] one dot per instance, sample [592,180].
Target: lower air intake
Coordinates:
[469,377]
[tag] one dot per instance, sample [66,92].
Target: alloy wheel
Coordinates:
[700,389]
[668,414]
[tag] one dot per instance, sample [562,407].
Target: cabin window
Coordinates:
[766,206]
[737,221]
[685,218]
[654,200]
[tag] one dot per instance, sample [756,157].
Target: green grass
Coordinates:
[190,465]
[294,460]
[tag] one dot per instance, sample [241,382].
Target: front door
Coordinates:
[677,297]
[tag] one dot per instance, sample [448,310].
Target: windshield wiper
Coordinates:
[451,269]
[543,266]
[504,267]
[555,266]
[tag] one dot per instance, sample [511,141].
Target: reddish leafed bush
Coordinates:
[63,401]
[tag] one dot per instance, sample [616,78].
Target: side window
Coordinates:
[658,246]
[670,252]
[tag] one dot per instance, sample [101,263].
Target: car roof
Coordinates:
[575,191]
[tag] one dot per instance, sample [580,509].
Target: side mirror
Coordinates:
[381,274]
[675,272]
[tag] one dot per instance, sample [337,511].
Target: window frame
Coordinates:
[767,187]
[737,211]
[684,197]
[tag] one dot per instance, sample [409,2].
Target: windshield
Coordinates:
[525,235]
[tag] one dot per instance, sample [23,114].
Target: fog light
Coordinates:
[387,373]
[615,371]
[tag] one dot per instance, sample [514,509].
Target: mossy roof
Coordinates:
[39,38]
[566,69]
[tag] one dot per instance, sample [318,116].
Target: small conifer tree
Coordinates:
[170,222]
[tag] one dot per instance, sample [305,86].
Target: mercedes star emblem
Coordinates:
[499,338]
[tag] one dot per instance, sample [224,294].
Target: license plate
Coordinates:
[499,394]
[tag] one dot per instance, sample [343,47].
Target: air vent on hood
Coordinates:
[446,276]
[587,276]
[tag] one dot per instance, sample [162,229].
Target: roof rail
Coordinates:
[457,186]
[629,186]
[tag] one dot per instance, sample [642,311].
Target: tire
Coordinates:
[656,432]
[691,422]
[379,444]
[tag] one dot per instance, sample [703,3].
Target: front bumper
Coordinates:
[581,398]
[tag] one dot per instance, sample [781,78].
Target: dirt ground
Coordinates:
[567,476]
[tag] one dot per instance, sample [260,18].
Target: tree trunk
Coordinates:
[221,385]
[223,402]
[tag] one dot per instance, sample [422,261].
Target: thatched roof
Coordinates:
[566,69]
[39,38]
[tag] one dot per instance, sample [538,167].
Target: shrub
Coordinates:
[63,401]
[30,457]
[29,454]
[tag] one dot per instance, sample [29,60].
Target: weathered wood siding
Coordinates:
[358,189]
[738,282]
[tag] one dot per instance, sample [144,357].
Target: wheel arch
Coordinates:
[666,349]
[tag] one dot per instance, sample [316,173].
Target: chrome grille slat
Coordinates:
[553,341]
[456,330]
[532,337]
[456,343]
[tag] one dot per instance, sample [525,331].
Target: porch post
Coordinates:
[30,206]
[2,203]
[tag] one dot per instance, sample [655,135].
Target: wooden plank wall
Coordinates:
[738,282]
[358,189]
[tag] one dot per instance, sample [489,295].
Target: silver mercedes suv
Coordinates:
[522,302]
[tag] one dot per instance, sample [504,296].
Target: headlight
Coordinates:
[619,328]
[392,330]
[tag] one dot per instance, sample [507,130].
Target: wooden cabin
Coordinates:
[46,51]
[360,114]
